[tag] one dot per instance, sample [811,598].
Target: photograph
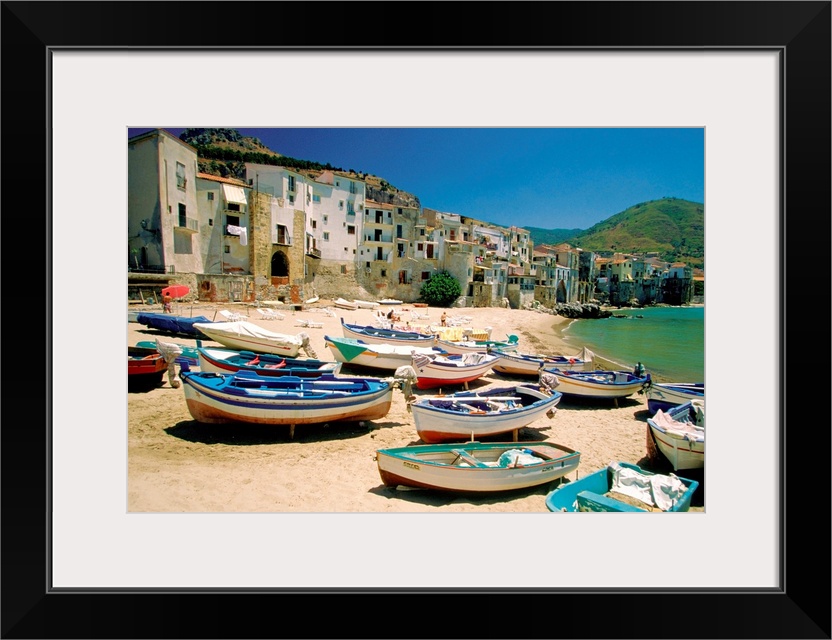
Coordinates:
[222,472]
[307,335]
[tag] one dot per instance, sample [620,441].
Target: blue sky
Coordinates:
[537,177]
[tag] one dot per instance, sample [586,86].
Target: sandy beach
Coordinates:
[177,465]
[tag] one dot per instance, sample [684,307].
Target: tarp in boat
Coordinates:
[655,489]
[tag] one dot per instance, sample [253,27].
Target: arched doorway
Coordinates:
[280,265]
[561,291]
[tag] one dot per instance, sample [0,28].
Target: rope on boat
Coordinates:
[169,352]
[306,346]
[548,381]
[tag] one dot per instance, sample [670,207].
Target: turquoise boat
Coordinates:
[596,492]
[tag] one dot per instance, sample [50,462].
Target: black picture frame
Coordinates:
[800,608]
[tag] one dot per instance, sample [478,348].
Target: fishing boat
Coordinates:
[341,303]
[171,324]
[247,336]
[248,397]
[366,304]
[679,433]
[145,368]
[188,354]
[621,486]
[439,370]
[529,365]
[481,414]
[380,335]
[597,384]
[390,301]
[664,395]
[476,467]
[477,346]
[266,364]
[386,357]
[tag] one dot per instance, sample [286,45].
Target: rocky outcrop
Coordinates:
[581,310]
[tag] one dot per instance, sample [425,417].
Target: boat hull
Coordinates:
[665,396]
[684,448]
[376,335]
[449,371]
[145,368]
[384,357]
[438,467]
[598,384]
[240,339]
[436,421]
[473,346]
[528,366]
[173,325]
[212,402]
[347,305]
[587,494]
[228,361]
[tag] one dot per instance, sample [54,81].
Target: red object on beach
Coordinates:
[176,290]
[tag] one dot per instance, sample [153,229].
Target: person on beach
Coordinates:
[444,319]
[166,300]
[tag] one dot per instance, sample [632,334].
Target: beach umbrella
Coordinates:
[176,290]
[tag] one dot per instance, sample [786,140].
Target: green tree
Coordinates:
[441,290]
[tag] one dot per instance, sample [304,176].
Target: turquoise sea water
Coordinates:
[669,341]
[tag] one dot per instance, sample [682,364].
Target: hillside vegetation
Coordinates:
[224,152]
[672,227]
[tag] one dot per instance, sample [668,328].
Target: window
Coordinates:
[233,206]
[326,236]
[227,249]
[352,187]
[326,219]
[425,275]
[350,209]
[210,196]
[337,183]
[384,273]
[291,199]
[351,229]
[400,211]
[421,232]
[210,222]
[343,268]
[420,247]
[314,224]
[181,182]
[282,234]
[368,264]
[235,220]
[341,205]
[291,183]
[316,197]
[183,218]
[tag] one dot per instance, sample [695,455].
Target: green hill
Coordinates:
[672,227]
[551,236]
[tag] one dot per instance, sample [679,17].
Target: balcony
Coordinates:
[190,225]
[313,253]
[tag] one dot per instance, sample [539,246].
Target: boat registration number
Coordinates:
[411,465]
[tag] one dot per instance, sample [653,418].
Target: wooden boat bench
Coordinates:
[467,457]
[591,501]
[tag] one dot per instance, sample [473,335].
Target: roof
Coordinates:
[234,181]
[159,133]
